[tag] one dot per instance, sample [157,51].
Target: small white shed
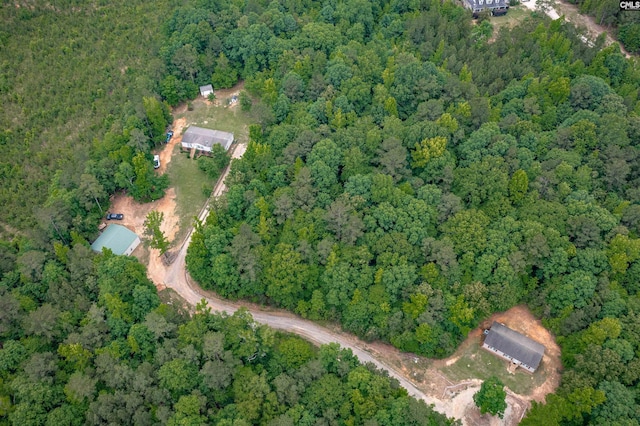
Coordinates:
[206,90]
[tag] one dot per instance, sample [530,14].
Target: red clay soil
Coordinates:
[519,318]
[572,13]
[426,373]
[167,150]
[136,213]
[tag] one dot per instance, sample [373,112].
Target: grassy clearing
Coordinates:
[184,174]
[476,363]
[223,118]
[188,181]
[514,16]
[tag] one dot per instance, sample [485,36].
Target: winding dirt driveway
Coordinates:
[456,401]
[176,277]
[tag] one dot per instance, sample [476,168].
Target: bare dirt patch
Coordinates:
[457,395]
[167,150]
[224,95]
[572,14]
[135,215]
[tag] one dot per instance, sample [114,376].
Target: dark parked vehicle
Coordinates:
[115,216]
[169,135]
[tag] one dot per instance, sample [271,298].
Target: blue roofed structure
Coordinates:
[118,239]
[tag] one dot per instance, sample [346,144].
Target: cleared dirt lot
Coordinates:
[436,378]
[167,151]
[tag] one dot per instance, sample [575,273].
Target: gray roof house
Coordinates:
[514,347]
[118,239]
[204,139]
[497,7]
[206,90]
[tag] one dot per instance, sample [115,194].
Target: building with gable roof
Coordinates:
[514,347]
[118,239]
[204,139]
[496,7]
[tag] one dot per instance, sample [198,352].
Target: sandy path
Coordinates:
[167,151]
[453,400]
[572,14]
[457,404]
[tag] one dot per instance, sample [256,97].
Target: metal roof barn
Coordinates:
[118,239]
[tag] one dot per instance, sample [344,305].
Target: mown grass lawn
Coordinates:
[189,183]
[514,16]
[192,185]
[476,363]
[223,118]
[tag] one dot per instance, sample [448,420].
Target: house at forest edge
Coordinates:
[516,348]
[496,7]
[203,140]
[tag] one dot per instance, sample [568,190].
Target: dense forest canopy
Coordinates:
[408,178]
[70,73]
[88,343]
[84,339]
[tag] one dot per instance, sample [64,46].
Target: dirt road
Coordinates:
[458,404]
[176,278]
[167,150]
[572,14]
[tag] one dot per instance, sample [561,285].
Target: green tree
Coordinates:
[188,411]
[428,149]
[225,75]
[482,32]
[286,275]
[518,185]
[146,185]
[281,108]
[90,191]
[245,101]
[155,238]
[491,397]
[178,376]
[156,118]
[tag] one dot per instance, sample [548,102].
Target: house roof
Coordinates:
[480,4]
[115,237]
[517,345]
[207,137]
[207,88]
